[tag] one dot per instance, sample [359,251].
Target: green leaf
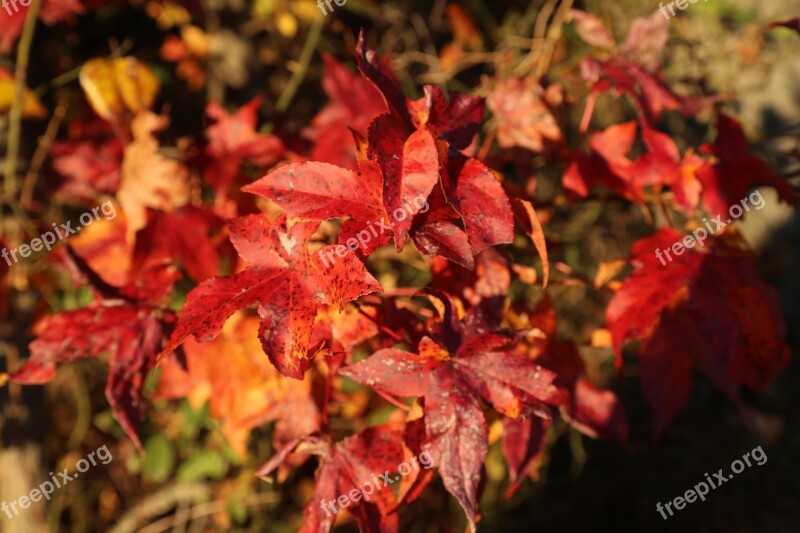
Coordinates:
[159,459]
[202,465]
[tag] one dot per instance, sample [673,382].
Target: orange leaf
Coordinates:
[527,218]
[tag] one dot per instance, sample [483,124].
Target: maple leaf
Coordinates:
[242,389]
[125,323]
[452,375]
[523,118]
[736,171]
[707,309]
[354,104]
[90,160]
[661,165]
[288,282]
[404,143]
[352,463]
[410,166]
[523,444]
[183,234]
[398,167]
[594,412]
[233,139]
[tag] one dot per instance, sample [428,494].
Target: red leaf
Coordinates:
[90,160]
[729,180]
[318,191]
[351,464]
[233,139]
[523,444]
[123,325]
[354,103]
[289,284]
[451,380]
[395,100]
[410,171]
[478,197]
[181,234]
[707,307]
[456,121]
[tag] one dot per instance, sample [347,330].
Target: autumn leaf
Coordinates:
[233,140]
[451,374]
[242,389]
[523,445]
[529,221]
[735,171]
[354,103]
[183,234]
[125,323]
[706,309]
[523,118]
[350,464]
[289,283]
[410,167]
[89,160]
[149,179]
[118,88]
[31,105]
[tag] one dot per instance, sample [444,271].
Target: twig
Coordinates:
[553,34]
[206,509]
[157,504]
[309,46]
[45,142]
[538,35]
[15,116]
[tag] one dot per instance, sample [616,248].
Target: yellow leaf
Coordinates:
[31,108]
[116,86]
